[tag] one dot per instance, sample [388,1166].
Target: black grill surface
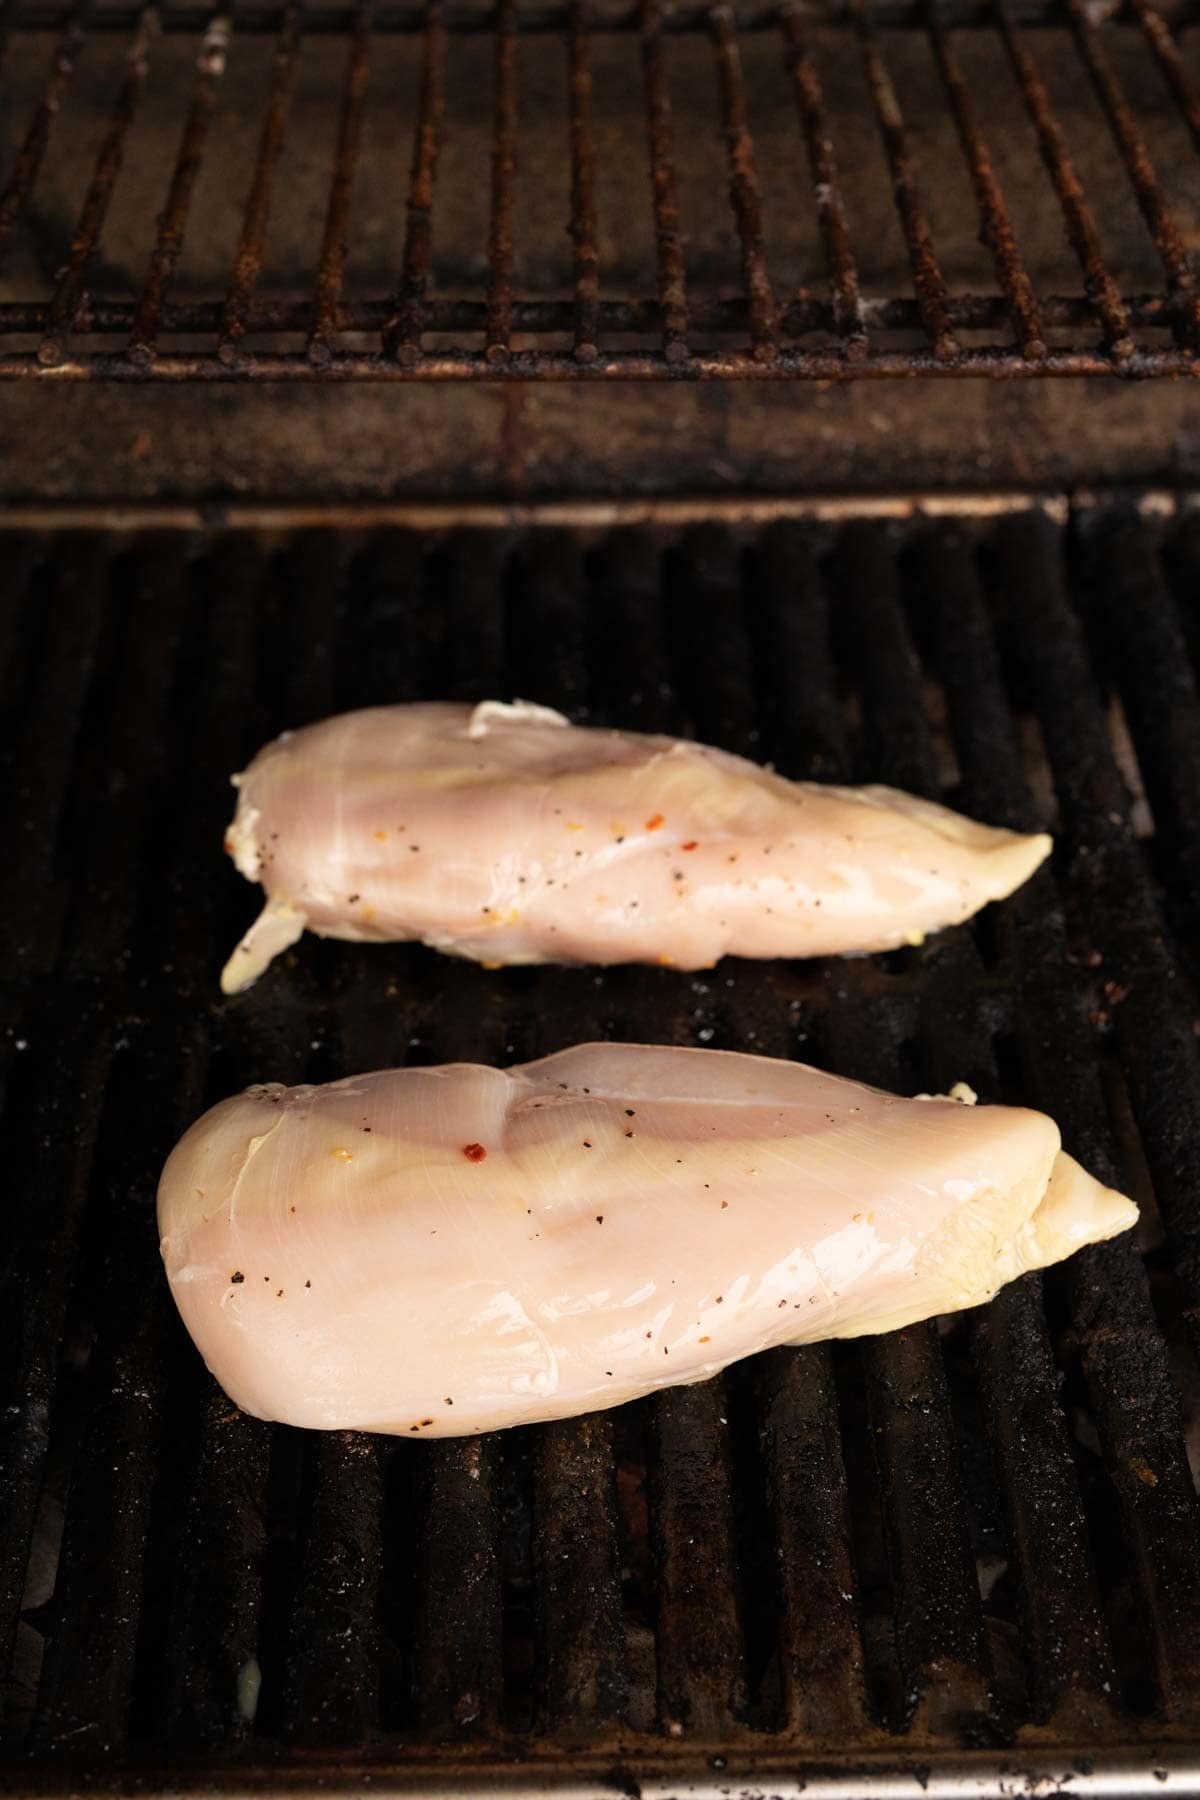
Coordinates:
[963,1554]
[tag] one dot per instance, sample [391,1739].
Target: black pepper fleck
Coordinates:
[237,1277]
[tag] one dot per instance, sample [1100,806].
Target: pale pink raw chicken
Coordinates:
[504,834]
[449,1250]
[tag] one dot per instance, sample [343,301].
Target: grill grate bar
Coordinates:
[547,17]
[408,312]
[1169,58]
[248,258]
[997,227]
[1143,178]
[1143,996]
[928,278]
[938,1622]
[744,190]
[584,1681]
[335,243]
[184,367]
[1124,1358]
[33,147]
[797,318]
[64,309]
[583,189]
[459,1669]
[498,334]
[214,1675]
[210,67]
[701,1671]
[1077,214]
[668,229]
[848,316]
[1070,1667]
[332,1695]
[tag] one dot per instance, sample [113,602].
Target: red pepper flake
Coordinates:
[474,1152]
[691,844]
[227,846]
[656,823]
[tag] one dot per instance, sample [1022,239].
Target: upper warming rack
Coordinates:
[945,189]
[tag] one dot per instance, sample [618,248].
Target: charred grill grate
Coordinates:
[1068,149]
[925,1557]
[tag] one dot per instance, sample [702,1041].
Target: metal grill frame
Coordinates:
[130,341]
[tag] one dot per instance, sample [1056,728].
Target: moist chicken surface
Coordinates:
[506,835]
[435,1251]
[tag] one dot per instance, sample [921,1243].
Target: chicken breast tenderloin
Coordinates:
[448,1250]
[505,834]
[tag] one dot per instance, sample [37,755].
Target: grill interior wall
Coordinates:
[953,1539]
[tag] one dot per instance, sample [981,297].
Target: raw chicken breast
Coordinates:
[504,834]
[448,1250]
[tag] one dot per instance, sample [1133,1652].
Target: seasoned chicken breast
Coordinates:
[448,1250]
[505,834]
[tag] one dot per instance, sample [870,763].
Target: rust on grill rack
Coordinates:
[62,314]
[701,333]
[29,157]
[831,207]
[668,231]
[998,231]
[1143,177]
[928,279]
[583,190]
[1170,60]
[335,245]
[1081,228]
[210,67]
[402,329]
[744,188]
[498,331]
[248,258]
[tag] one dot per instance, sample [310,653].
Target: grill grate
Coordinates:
[750,298]
[945,1554]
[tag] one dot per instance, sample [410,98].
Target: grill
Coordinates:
[959,1556]
[673,194]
